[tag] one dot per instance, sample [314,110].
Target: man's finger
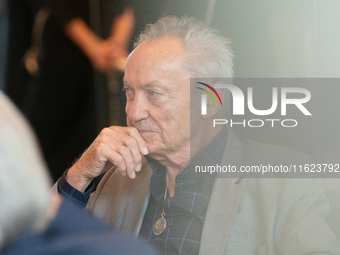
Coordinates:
[133,132]
[117,160]
[128,148]
[129,163]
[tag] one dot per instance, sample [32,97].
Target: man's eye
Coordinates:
[128,93]
[154,93]
[127,90]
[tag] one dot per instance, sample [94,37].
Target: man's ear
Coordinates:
[212,107]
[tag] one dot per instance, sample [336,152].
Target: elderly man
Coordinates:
[148,189]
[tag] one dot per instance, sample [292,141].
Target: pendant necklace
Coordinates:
[160,224]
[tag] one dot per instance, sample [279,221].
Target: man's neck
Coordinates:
[174,162]
[171,179]
[177,160]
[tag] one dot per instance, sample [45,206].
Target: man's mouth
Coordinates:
[145,131]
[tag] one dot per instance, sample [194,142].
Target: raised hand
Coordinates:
[122,147]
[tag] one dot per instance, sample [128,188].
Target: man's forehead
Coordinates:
[165,48]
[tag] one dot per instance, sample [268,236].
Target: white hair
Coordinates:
[209,53]
[24,181]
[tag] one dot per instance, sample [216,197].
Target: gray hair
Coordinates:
[209,55]
[24,181]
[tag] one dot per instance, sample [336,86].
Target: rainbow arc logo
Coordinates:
[209,93]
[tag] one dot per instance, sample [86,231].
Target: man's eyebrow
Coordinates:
[148,85]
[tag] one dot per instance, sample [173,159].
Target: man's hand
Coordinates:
[119,146]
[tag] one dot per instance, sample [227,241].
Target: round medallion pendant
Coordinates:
[159,227]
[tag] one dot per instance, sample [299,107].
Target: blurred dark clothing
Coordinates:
[60,101]
[74,231]
[21,15]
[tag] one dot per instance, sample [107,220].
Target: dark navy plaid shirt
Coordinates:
[185,211]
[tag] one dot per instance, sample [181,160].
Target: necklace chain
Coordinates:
[160,224]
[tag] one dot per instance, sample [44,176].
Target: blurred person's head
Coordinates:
[24,181]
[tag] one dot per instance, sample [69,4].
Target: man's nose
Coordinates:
[136,109]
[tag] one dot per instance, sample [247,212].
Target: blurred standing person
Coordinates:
[60,100]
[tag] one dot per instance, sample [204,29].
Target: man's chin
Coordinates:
[152,141]
[151,146]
